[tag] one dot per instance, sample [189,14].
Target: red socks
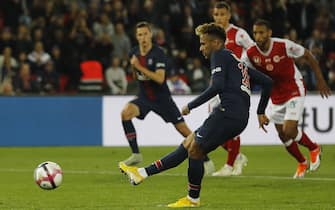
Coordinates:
[233,148]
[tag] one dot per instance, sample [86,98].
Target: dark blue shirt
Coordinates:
[153,60]
[231,80]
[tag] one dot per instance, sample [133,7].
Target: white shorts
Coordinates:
[290,110]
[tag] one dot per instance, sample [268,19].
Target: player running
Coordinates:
[275,57]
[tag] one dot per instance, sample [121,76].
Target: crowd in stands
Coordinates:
[44,45]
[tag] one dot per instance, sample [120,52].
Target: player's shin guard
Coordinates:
[195,175]
[292,147]
[169,161]
[130,132]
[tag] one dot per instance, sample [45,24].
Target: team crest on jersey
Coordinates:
[269,67]
[256,59]
[150,61]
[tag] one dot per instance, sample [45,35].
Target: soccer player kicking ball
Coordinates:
[230,79]
[238,41]
[275,57]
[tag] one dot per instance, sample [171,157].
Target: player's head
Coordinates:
[262,32]
[212,38]
[143,34]
[222,13]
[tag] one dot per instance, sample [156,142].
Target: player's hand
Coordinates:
[323,88]
[185,110]
[263,120]
[135,62]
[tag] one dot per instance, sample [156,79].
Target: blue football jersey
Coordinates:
[153,60]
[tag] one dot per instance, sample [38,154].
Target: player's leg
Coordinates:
[207,138]
[183,129]
[173,159]
[314,150]
[285,133]
[235,160]
[195,175]
[293,113]
[130,111]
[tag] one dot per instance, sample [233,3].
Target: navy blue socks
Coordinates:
[169,161]
[130,132]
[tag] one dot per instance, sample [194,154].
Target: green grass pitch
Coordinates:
[92,181]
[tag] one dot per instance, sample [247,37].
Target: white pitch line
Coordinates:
[173,175]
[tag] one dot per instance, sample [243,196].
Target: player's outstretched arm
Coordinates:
[320,81]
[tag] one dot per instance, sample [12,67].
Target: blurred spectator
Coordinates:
[38,58]
[50,79]
[103,26]
[6,88]
[176,85]
[116,77]
[121,42]
[8,64]
[103,49]
[198,76]
[187,32]
[23,39]
[24,82]
[7,39]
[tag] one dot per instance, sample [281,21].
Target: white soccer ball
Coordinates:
[48,175]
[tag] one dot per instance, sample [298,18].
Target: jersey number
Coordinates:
[245,83]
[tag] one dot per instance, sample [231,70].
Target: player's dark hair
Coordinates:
[211,29]
[262,22]
[143,24]
[222,4]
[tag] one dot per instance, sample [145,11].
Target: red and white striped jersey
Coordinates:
[278,63]
[237,40]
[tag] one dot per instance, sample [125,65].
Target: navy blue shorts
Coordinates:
[217,129]
[166,109]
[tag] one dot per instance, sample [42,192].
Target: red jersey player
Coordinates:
[275,57]
[237,40]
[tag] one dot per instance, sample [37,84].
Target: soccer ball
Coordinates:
[48,175]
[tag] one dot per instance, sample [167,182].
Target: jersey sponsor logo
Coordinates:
[179,118]
[277,58]
[160,65]
[292,104]
[217,69]
[269,67]
[150,61]
[256,59]
[142,77]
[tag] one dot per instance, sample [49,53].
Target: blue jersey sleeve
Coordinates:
[266,83]
[218,81]
[161,59]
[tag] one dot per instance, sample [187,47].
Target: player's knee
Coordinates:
[194,152]
[126,114]
[283,137]
[290,133]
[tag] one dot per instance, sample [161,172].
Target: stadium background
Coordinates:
[68,108]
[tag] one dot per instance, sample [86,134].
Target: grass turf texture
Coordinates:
[91,180]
